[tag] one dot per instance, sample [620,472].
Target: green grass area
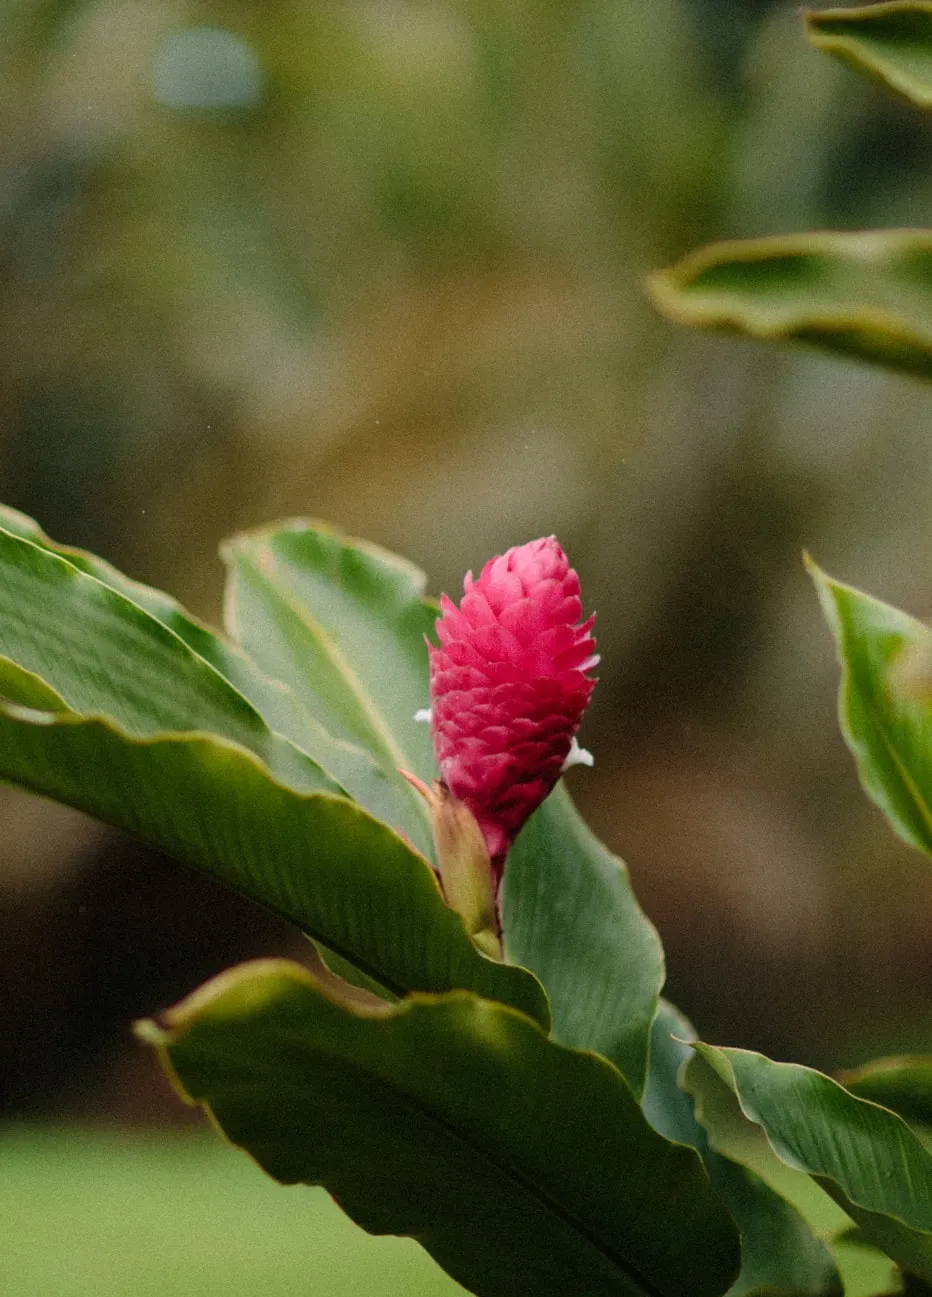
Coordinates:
[99,1214]
[146,1214]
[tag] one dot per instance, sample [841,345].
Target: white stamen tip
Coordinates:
[423,716]
[577,756]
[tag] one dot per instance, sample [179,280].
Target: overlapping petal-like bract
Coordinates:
[509,685]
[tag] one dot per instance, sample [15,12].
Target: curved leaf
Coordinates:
[867,294]
[569,913]
[521,1166]
[866,1157]
[343,624]
[26,688]
[315,858]
[891,42]
[780,1255]
[903,1084]
[885,703]
[105,656]
[352,768]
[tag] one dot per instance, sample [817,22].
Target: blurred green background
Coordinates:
[381,262]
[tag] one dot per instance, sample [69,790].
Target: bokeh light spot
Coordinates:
[207,67]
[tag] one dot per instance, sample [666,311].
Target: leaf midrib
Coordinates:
[380,731]
[374,1080]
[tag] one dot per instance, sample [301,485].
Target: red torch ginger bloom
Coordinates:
[509,685]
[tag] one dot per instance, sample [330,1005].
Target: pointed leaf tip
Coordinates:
[890,42]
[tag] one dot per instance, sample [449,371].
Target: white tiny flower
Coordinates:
[577,756]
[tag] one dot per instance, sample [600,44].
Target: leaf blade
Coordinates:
[780,1254]
[866,1157]
[314,857]
[866,293]
[392,1112]
[571,916]
[903,1084]
[343,623]
[885,703]
[350,767]
[891,43]
[104,655]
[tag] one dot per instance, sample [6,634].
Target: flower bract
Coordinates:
[509,683]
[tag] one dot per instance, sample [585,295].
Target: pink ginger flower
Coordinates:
[509,685]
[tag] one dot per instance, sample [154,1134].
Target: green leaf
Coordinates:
[780,1255]
[867,294]
[29,690]
[885,703]
[343,624]
[903,1084]
[525,1169]
[352,768]
[865,1271]
[315,858]
[891,42]
[104,656]
[866,1157]
[569,913]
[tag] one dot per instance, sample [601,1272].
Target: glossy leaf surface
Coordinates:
[890,42]
[866,294]
[885,703]
[105,656]
[779,1253]
[342,623]
[351,767]
[317,859]
[571,915]
[865,1156]
[518,1164]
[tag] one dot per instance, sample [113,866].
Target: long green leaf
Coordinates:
[867,294]
[780,1255]
[865,1156]
[318,859]
[105,656]
[903,1083]
[865,1271]
[351,767]
[890,42]
[344,624]
[571,916]
[525,1169]
[885,703]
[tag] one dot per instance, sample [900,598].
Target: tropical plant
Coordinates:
[497,1080]
[475,1051]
